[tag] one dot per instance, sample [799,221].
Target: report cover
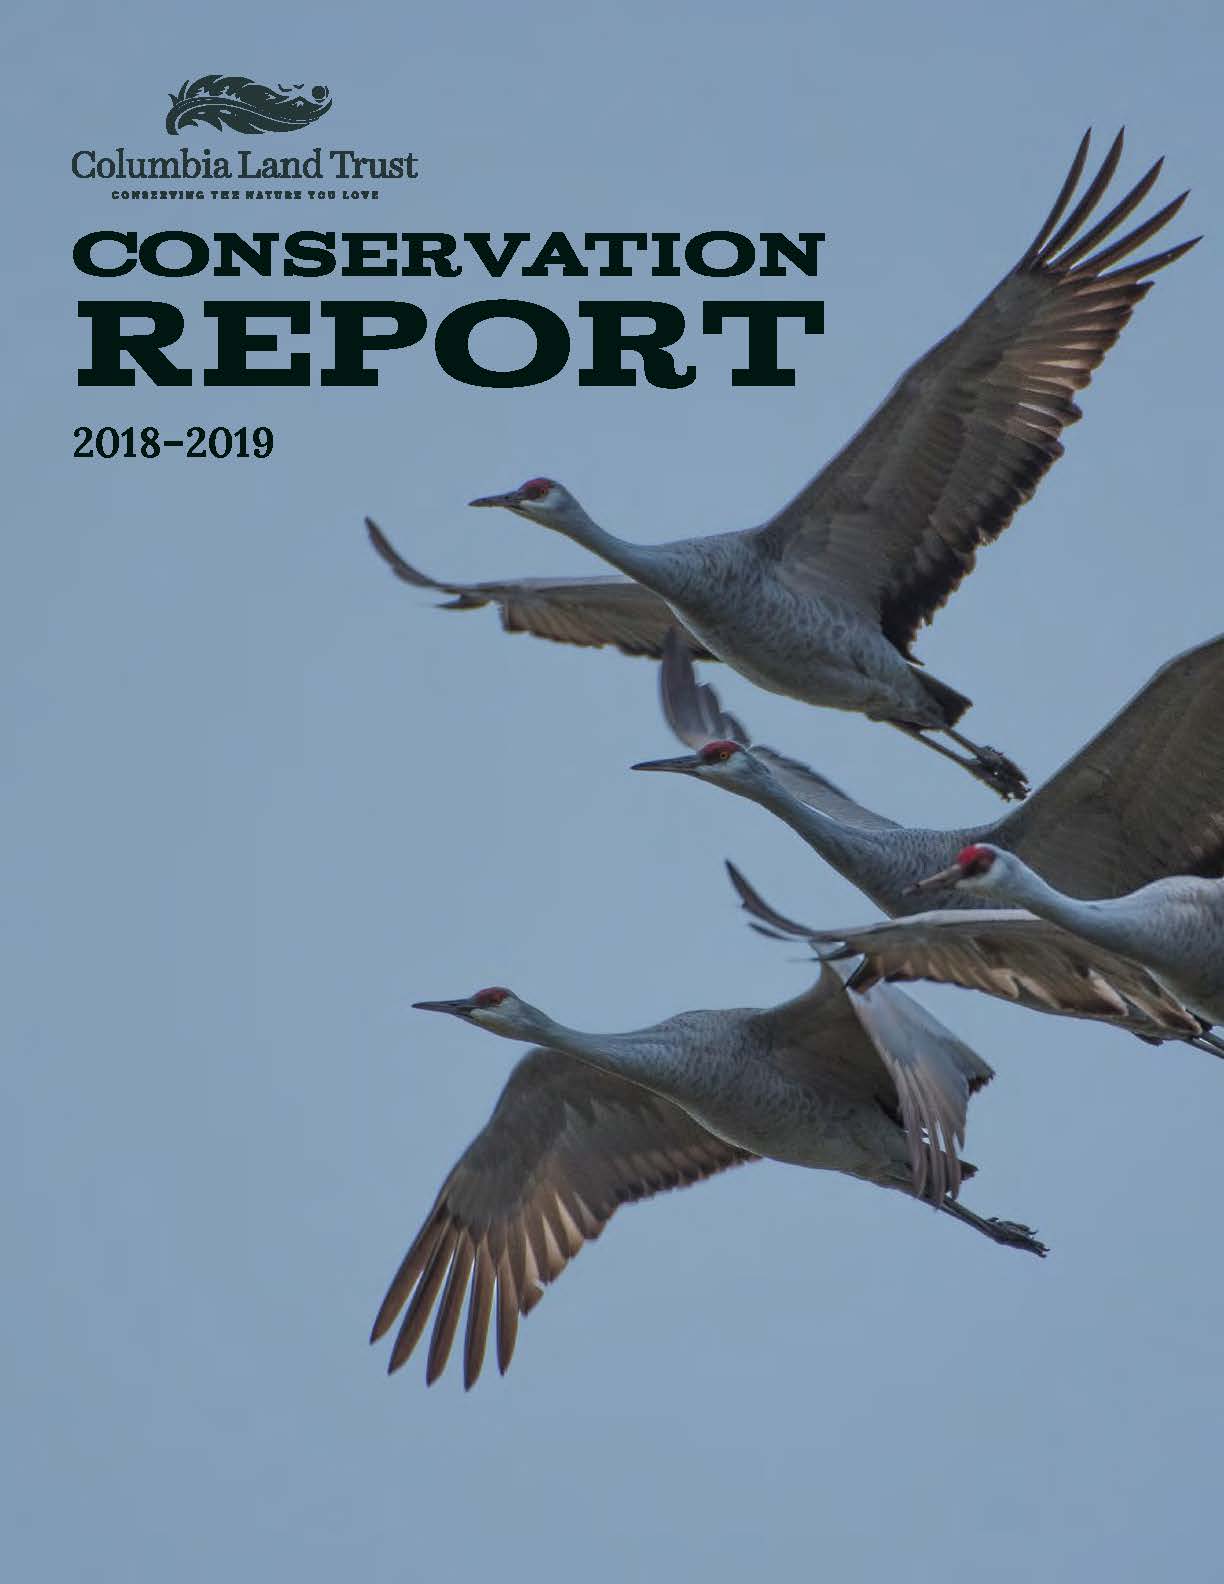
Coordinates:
[755,337]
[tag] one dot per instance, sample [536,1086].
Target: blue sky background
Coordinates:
[262,798]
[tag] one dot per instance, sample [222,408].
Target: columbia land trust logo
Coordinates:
[245,105]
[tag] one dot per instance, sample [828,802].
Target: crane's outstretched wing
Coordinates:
[693,711]
[1144,799]
[1004,952]
[883,1045]
[564,1147]
[588,612]
[893,522]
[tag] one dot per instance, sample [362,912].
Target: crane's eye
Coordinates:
[718,752]
[536,489]
[491,997]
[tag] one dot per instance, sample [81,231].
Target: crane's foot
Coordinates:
[1012,1234]
[988,765]
[1209,1042]
[1011,786]
[995,769]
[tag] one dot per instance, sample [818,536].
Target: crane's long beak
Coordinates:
[510,500]
[686,764]
[945,877]
[459,1009]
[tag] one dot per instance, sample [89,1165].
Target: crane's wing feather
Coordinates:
[695,714]
[935,1074]
[766,920]
[1004,952]
[882,1045]
[693,709]
[564,1147]
[588,612]
[893,522]
[1144,799]
[1013,955]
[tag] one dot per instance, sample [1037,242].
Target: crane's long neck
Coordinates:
[860,856]
[641,1056]
[657,567]
[1112,922]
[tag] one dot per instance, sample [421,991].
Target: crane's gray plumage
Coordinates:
[823,601]
[1144,797]
[871,1085]
[1173,927]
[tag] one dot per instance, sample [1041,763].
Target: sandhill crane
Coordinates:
[823,602]
[1174,927]
[1006,952]
[1144,799]
[871,1085]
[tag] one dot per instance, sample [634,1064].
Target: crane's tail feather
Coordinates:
[952,705]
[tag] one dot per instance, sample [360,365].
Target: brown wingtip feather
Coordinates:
[1089,200]
[402,569]
[755,905]
[1116,215]
[423,1299]
[480,1308]
[450,1309]
[1060,203]
[405,1277]
[507,1317]
[1099,263]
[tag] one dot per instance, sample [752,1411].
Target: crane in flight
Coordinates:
[824,601]
[871,1085]
[1173,927]
[1006,952]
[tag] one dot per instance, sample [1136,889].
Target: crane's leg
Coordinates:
[1009,1233]
[1209,1042]
[1009,779]
[988,764]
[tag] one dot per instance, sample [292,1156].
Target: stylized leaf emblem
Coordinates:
[245,105]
